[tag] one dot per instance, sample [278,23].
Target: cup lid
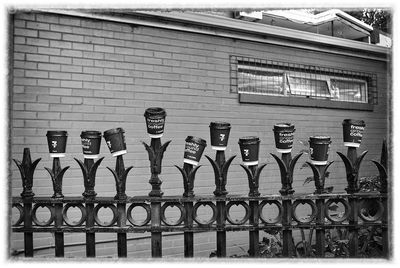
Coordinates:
[113,131]
[249,139]
[219,124]
[90,134]
[284,126]
[196,140]
[155,111]
[354,122]
[57,133]
[320,138]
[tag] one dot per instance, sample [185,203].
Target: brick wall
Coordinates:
[79,74]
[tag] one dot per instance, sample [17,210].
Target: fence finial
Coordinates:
[286,166]
[89,169]
[57,174]
[27,168]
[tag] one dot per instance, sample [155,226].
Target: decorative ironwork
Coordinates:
[105,223]
[382,168]
[311,216]
[146,207]
[57,174]
[213,217]
[74,223]
[360,210]
[21,214]
[156,154]
[266,220]
[320,172]
[253,176]
[246,214]
[286,167]
[188,175]
[120,175]
[172,204]
[43,223]
[89,169]
[352,163]
[27,168]
[220,167]
[345,214]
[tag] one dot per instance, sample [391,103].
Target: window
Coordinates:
[296,81]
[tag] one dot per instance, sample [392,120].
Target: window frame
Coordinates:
[328,75]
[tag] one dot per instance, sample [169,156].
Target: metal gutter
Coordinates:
[243,30]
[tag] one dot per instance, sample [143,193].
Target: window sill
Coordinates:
[303,102]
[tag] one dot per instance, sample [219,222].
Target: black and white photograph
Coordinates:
[199,133]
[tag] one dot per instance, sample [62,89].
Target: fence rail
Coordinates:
[90,222]
[284,213]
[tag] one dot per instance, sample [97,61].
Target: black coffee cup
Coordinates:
[155,121]
[249,149]
[319,149]
[115,141]
[352,132]
[57,142]
[194,148]
[91,140]
[219,134]
[284,133]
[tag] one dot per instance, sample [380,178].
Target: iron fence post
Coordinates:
[254,234]
[28,236]
[188,235]
[57,174]
[286,166]
[220,166]
[383,175]
[156,153]
[320,230]
[221,233]
[120,176]
[58,222]
[89,168]
[156,235]
[254,176]
[27,169]
[319,172]
[352,163]
[90,233]
[121,237]
[287,247]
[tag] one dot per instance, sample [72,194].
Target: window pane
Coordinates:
[263,82]
[308,87]
[352,91]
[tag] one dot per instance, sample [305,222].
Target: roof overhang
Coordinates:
[236,29]
[333,22]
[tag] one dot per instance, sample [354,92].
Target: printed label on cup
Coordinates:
[191,148]
[286,138]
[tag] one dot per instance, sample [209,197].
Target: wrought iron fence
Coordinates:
[360,210]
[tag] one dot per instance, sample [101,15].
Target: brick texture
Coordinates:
[80,74]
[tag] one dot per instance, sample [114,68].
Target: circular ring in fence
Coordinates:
[237,203]
[104,223]
[370,210]
[172,204]
[205,203]
[303,202]
[345,215]
[270,202]
[42,223]
[148,214]
[74,223]
[21,214]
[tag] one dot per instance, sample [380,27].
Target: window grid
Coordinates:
[270,77]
